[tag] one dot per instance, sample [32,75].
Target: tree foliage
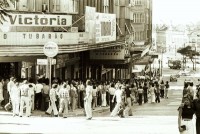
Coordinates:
[188,52]
[4,7]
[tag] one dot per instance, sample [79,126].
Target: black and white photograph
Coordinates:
[100,66]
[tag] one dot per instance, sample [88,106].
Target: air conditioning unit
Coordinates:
[44,7]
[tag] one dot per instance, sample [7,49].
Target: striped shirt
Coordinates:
[63,93]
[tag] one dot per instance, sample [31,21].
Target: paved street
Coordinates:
[158,118]
[98,125]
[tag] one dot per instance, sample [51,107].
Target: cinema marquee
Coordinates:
[39,20]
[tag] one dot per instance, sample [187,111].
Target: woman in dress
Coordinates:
[196,104]
[185,115]
[88,100]
[152,92]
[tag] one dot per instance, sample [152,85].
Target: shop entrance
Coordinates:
[9,69]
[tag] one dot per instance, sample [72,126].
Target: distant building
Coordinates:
[170,38]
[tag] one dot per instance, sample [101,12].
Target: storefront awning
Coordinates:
[140,49]
[145,51]
[138,68]
[143,60]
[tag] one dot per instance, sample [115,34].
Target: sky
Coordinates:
[176,11]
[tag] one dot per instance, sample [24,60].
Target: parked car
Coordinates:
[188,81]
[173,78]
[174,64]
[185,72]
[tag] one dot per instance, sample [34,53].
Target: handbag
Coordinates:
[183,127]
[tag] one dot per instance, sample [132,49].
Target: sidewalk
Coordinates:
[76,113]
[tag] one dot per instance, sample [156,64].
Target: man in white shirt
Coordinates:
[9,86]
[10,83]
[24,99]
[15,95]
[112,92]
[64,100]
[118,95]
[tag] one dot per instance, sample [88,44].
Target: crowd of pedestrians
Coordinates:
[62,96]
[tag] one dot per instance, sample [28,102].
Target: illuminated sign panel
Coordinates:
[105,27]
[39,20]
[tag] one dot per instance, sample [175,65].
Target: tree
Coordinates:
[188,52]
[5,6]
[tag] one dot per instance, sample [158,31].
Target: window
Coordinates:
[138,2]
[106,6]
[57,5]
[138,18]
[139,35]
[73,6]
[65,6]
[23,5]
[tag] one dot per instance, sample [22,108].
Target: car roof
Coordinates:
[188,80]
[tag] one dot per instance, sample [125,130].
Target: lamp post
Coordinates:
[50,49]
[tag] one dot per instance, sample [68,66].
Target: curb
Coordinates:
[70,114]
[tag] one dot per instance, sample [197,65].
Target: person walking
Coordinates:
[152,92]
[166,89]
[103,95]
[88,100]
[145,92]
[24,99]
[112,92]
[45,95]
[118,95]
[73,94]
[140,93]
[15,95]
[94,96]
[63,94]
[31,96]
[196,106]
[185,116]
[157,93]
[38,94]
[52,106]
[128,110]
[82,94]
[162,88]
[9,86]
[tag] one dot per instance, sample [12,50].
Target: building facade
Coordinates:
[94,37]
